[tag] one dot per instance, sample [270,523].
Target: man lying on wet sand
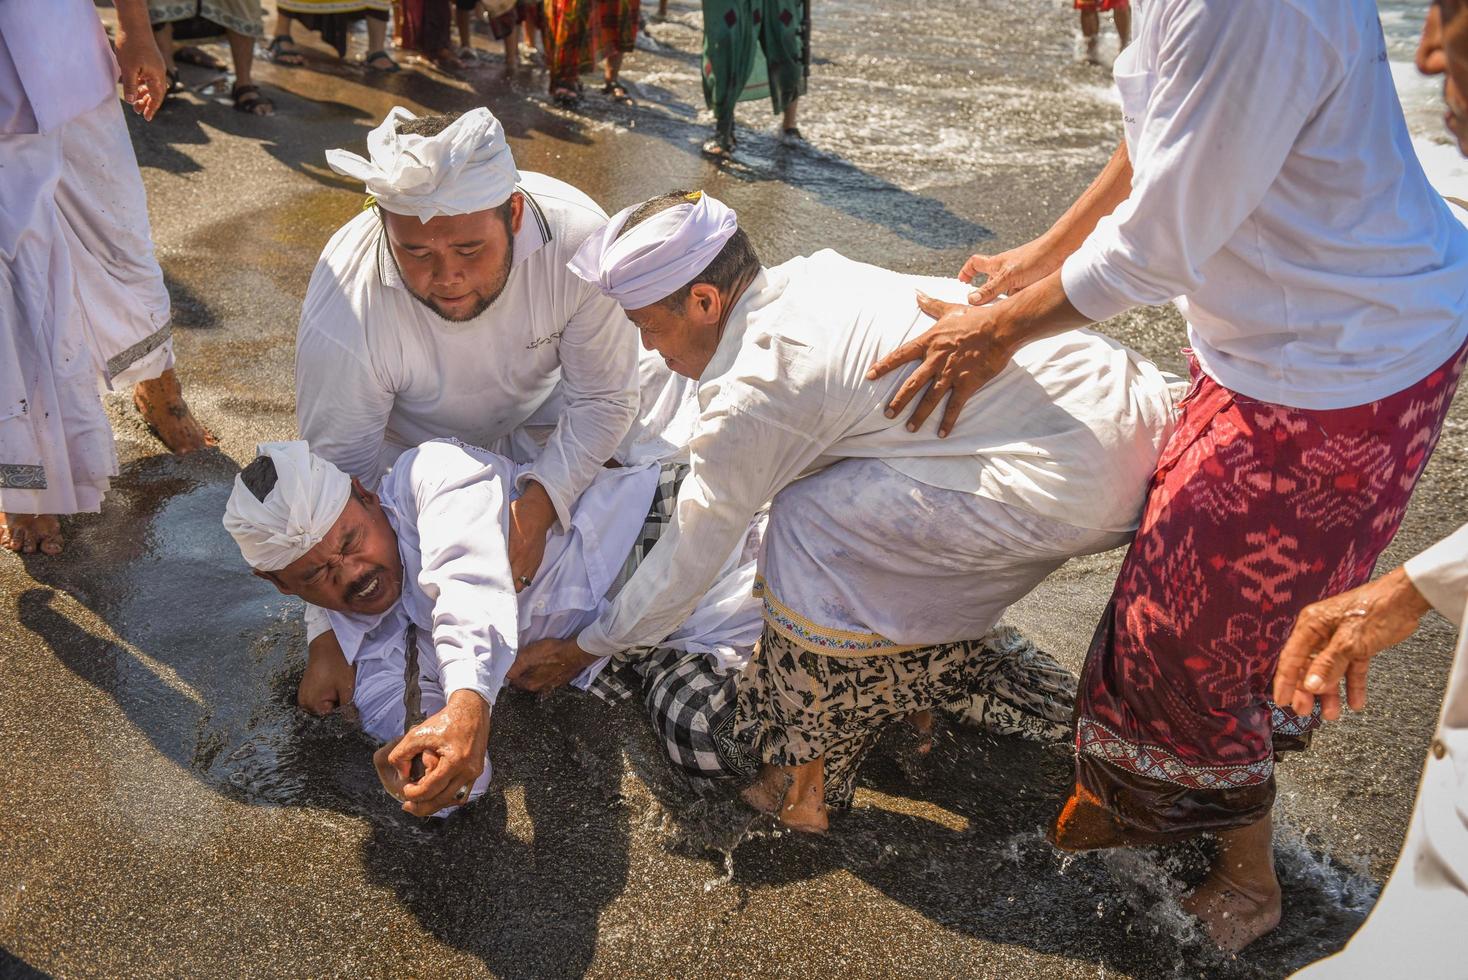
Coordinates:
[888,554]
[417,584]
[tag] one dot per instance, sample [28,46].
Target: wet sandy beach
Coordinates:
[164,809]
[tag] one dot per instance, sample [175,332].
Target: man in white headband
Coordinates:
[446,310]
[416,584]
[888,553]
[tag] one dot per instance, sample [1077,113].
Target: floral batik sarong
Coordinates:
[579,33]
[793,705]
[1255,511]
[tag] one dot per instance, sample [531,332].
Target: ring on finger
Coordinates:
[461,793]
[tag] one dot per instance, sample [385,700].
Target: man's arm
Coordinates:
[598,351]
[465,573]
[1011,271]
[342,405]
[144,79]
[740,459]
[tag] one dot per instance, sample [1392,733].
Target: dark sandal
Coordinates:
[247,99]
[618,92]
[191,55]
[388,69]
[565,96]
[277,54]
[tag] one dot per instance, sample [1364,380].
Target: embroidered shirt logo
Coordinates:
[542,341]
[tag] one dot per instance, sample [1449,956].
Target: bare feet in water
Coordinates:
[30,533]
[797,795]
[161,403]
[1239,901]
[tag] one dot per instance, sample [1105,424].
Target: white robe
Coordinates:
[82,299]
[1417,927]
[449,504]
[1070,431]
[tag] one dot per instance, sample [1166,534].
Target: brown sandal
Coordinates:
[247,99]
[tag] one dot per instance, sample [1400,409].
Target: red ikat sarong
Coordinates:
[1255,511]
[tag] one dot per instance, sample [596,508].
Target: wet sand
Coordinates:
[165,811]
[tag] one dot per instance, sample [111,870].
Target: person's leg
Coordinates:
[1122,15]
[788,122]
[1239,901]
[1091,31]
[282,50]
[1174,697]
[246,93]
[463,18]
[163,35]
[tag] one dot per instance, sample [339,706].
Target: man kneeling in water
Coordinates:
[417,584]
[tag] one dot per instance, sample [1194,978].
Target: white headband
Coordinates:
[308,496]
[658,257]
[466,168]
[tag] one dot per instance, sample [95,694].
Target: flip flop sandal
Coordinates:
[719,147]
[388,69]
[468,55]
[618,93]
[247,99]
[277,54]
[565,96]
[191,55]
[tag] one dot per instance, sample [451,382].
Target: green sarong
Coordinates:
[753,49]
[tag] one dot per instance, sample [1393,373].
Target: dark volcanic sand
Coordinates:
[165,811]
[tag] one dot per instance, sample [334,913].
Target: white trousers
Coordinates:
[861,559]
[82,306]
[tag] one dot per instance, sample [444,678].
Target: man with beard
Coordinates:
[446,309]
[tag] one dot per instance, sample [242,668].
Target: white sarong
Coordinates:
[82,305]
[861,559]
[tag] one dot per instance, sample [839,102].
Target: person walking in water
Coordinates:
[753,49]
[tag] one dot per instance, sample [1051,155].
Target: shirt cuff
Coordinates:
[557,499]
[317,622]
[468,675]
[1441,574]
[594,641]
[1090,290]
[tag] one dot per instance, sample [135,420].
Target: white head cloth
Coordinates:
[308,496]
[658,257]
[466,168]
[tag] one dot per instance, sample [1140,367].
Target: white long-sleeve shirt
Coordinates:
[1070,430]
[1276,197]
[378,372]
[449,505]
[1416,926]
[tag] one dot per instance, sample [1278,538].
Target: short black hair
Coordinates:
[260,477]
[429,125]
[735,261]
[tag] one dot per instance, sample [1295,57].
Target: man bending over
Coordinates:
[888,554]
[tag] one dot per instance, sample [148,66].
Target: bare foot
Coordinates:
[1233,915]
[922,724]
[766,792]
[29,533]
[161,403]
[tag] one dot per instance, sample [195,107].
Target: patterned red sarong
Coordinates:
[1255,511]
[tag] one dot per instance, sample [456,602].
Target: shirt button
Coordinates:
[1438,748]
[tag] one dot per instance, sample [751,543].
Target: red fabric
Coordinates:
[1255,511]
[1103,4]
